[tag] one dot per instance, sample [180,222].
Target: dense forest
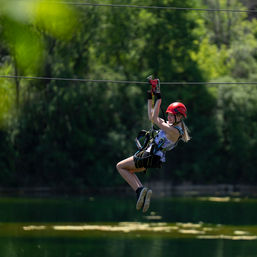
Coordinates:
[71,134]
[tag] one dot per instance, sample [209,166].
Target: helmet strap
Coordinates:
[176,122]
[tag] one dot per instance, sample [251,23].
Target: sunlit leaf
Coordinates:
[57,19]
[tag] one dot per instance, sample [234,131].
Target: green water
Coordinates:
[110,226]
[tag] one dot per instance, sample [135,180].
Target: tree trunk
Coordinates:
[17,85]
[229,22]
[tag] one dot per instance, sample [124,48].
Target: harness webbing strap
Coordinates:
[141,134]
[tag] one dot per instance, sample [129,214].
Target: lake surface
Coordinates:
[110,226]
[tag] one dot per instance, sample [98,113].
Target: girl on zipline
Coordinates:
[152,153]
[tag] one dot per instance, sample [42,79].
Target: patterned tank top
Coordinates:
[163,143]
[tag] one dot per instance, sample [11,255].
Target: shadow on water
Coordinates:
[229,211]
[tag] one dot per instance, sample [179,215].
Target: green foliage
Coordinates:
[243,51]
[81,133]
[227,42]
[238,112]
[224,27]
[69,134]
[211,60]
[21,21]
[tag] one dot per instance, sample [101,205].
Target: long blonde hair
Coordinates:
[186,136]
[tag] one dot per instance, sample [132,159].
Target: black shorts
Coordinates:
[146,160]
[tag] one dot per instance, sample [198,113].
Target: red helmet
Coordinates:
[176,108]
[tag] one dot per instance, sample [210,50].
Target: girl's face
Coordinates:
[171,118]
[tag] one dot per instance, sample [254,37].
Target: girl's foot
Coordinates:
[141,193]
[147,200]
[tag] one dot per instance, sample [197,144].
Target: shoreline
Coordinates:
[160,189]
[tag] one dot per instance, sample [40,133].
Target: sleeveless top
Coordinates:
[163,143]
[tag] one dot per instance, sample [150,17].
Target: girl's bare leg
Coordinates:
[127,170]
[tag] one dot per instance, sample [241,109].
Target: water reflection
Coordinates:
[125,227]
[219,199]
[32,227]
[228,237]
[162,230]
[213,210]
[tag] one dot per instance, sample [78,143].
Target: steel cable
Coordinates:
[124,81]
[158,7]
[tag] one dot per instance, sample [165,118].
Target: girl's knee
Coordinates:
[118,166]
[126,164]
[121,166]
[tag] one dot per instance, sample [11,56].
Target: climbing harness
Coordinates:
[143,158]
[148,146]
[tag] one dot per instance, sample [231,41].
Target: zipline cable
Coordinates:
[158,7]
[124,81]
